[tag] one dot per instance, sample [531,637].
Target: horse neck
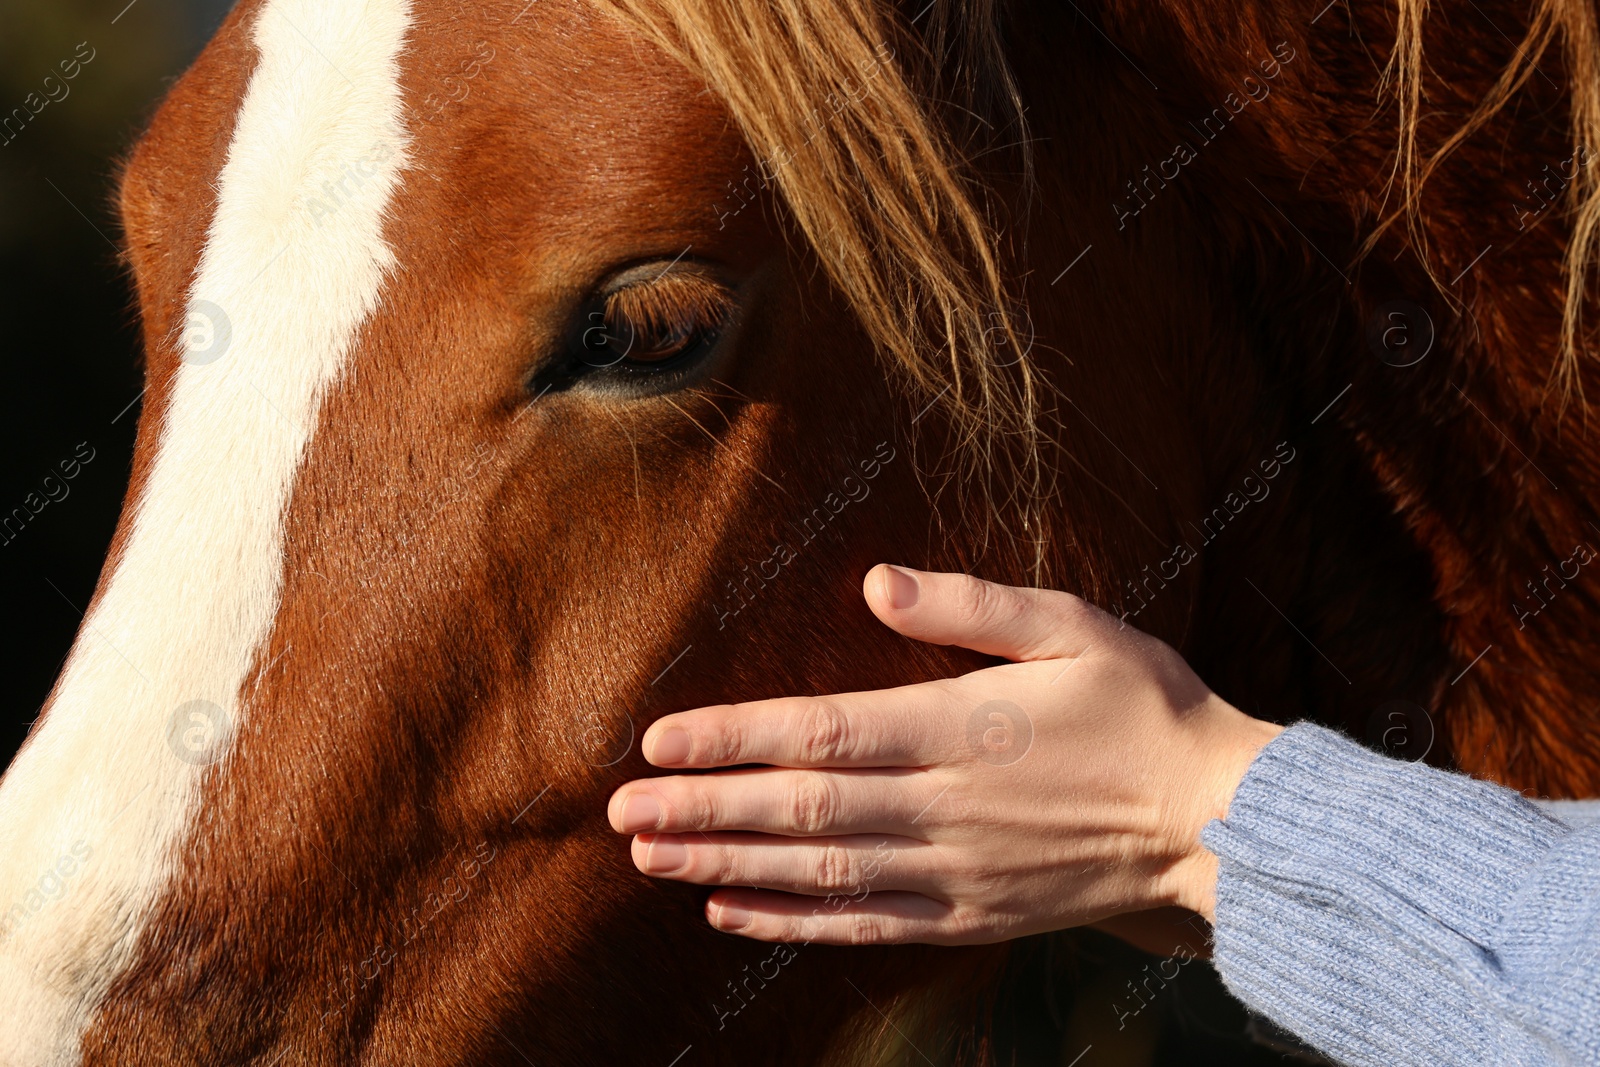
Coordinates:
[1425,539]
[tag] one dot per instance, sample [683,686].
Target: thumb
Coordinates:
[997,620]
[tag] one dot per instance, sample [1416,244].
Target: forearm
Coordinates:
[1390,913]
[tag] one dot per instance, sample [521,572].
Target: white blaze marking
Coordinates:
[107,789]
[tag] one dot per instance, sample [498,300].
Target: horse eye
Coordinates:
[618,335]
[661,322]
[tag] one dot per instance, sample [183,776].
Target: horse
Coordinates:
[519,371]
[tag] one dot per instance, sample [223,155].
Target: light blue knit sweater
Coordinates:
[1390,913]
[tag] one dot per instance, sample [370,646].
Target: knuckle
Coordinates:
[986,881]
[861,929]
[980,603]
[824,733]
[1075,611]
[814,806]
[714,865]
[719,738]
[1069,605]
[972,599]
[965,924]
[835,869]
[690,808]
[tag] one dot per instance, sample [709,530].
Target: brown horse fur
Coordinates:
[484,596]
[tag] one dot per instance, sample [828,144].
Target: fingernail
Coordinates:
[901,587]
[640,812]
[671,747]
[731,917]
[665,855]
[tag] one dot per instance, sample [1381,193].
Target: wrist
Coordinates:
[1228,743]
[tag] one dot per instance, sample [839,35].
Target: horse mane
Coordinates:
[1487,476]
[882,185]
[834,99]
[1405,75]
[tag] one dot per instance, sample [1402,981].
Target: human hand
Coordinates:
[1058,790]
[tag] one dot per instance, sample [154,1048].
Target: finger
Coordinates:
[811,866]
[997,620]
[885,728]
[789,802]
[887,918]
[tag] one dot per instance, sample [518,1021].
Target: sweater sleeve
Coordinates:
[1390,913]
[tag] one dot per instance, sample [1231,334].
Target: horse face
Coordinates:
[492,412]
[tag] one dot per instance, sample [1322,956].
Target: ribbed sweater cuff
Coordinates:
[1356,891]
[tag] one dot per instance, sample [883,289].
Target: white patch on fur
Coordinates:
[94,811]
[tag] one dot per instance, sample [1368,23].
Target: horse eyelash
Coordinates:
[683,301]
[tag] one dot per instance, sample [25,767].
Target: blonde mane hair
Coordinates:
[823,92]
[1574,23]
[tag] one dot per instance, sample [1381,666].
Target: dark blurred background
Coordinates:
[70,353]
